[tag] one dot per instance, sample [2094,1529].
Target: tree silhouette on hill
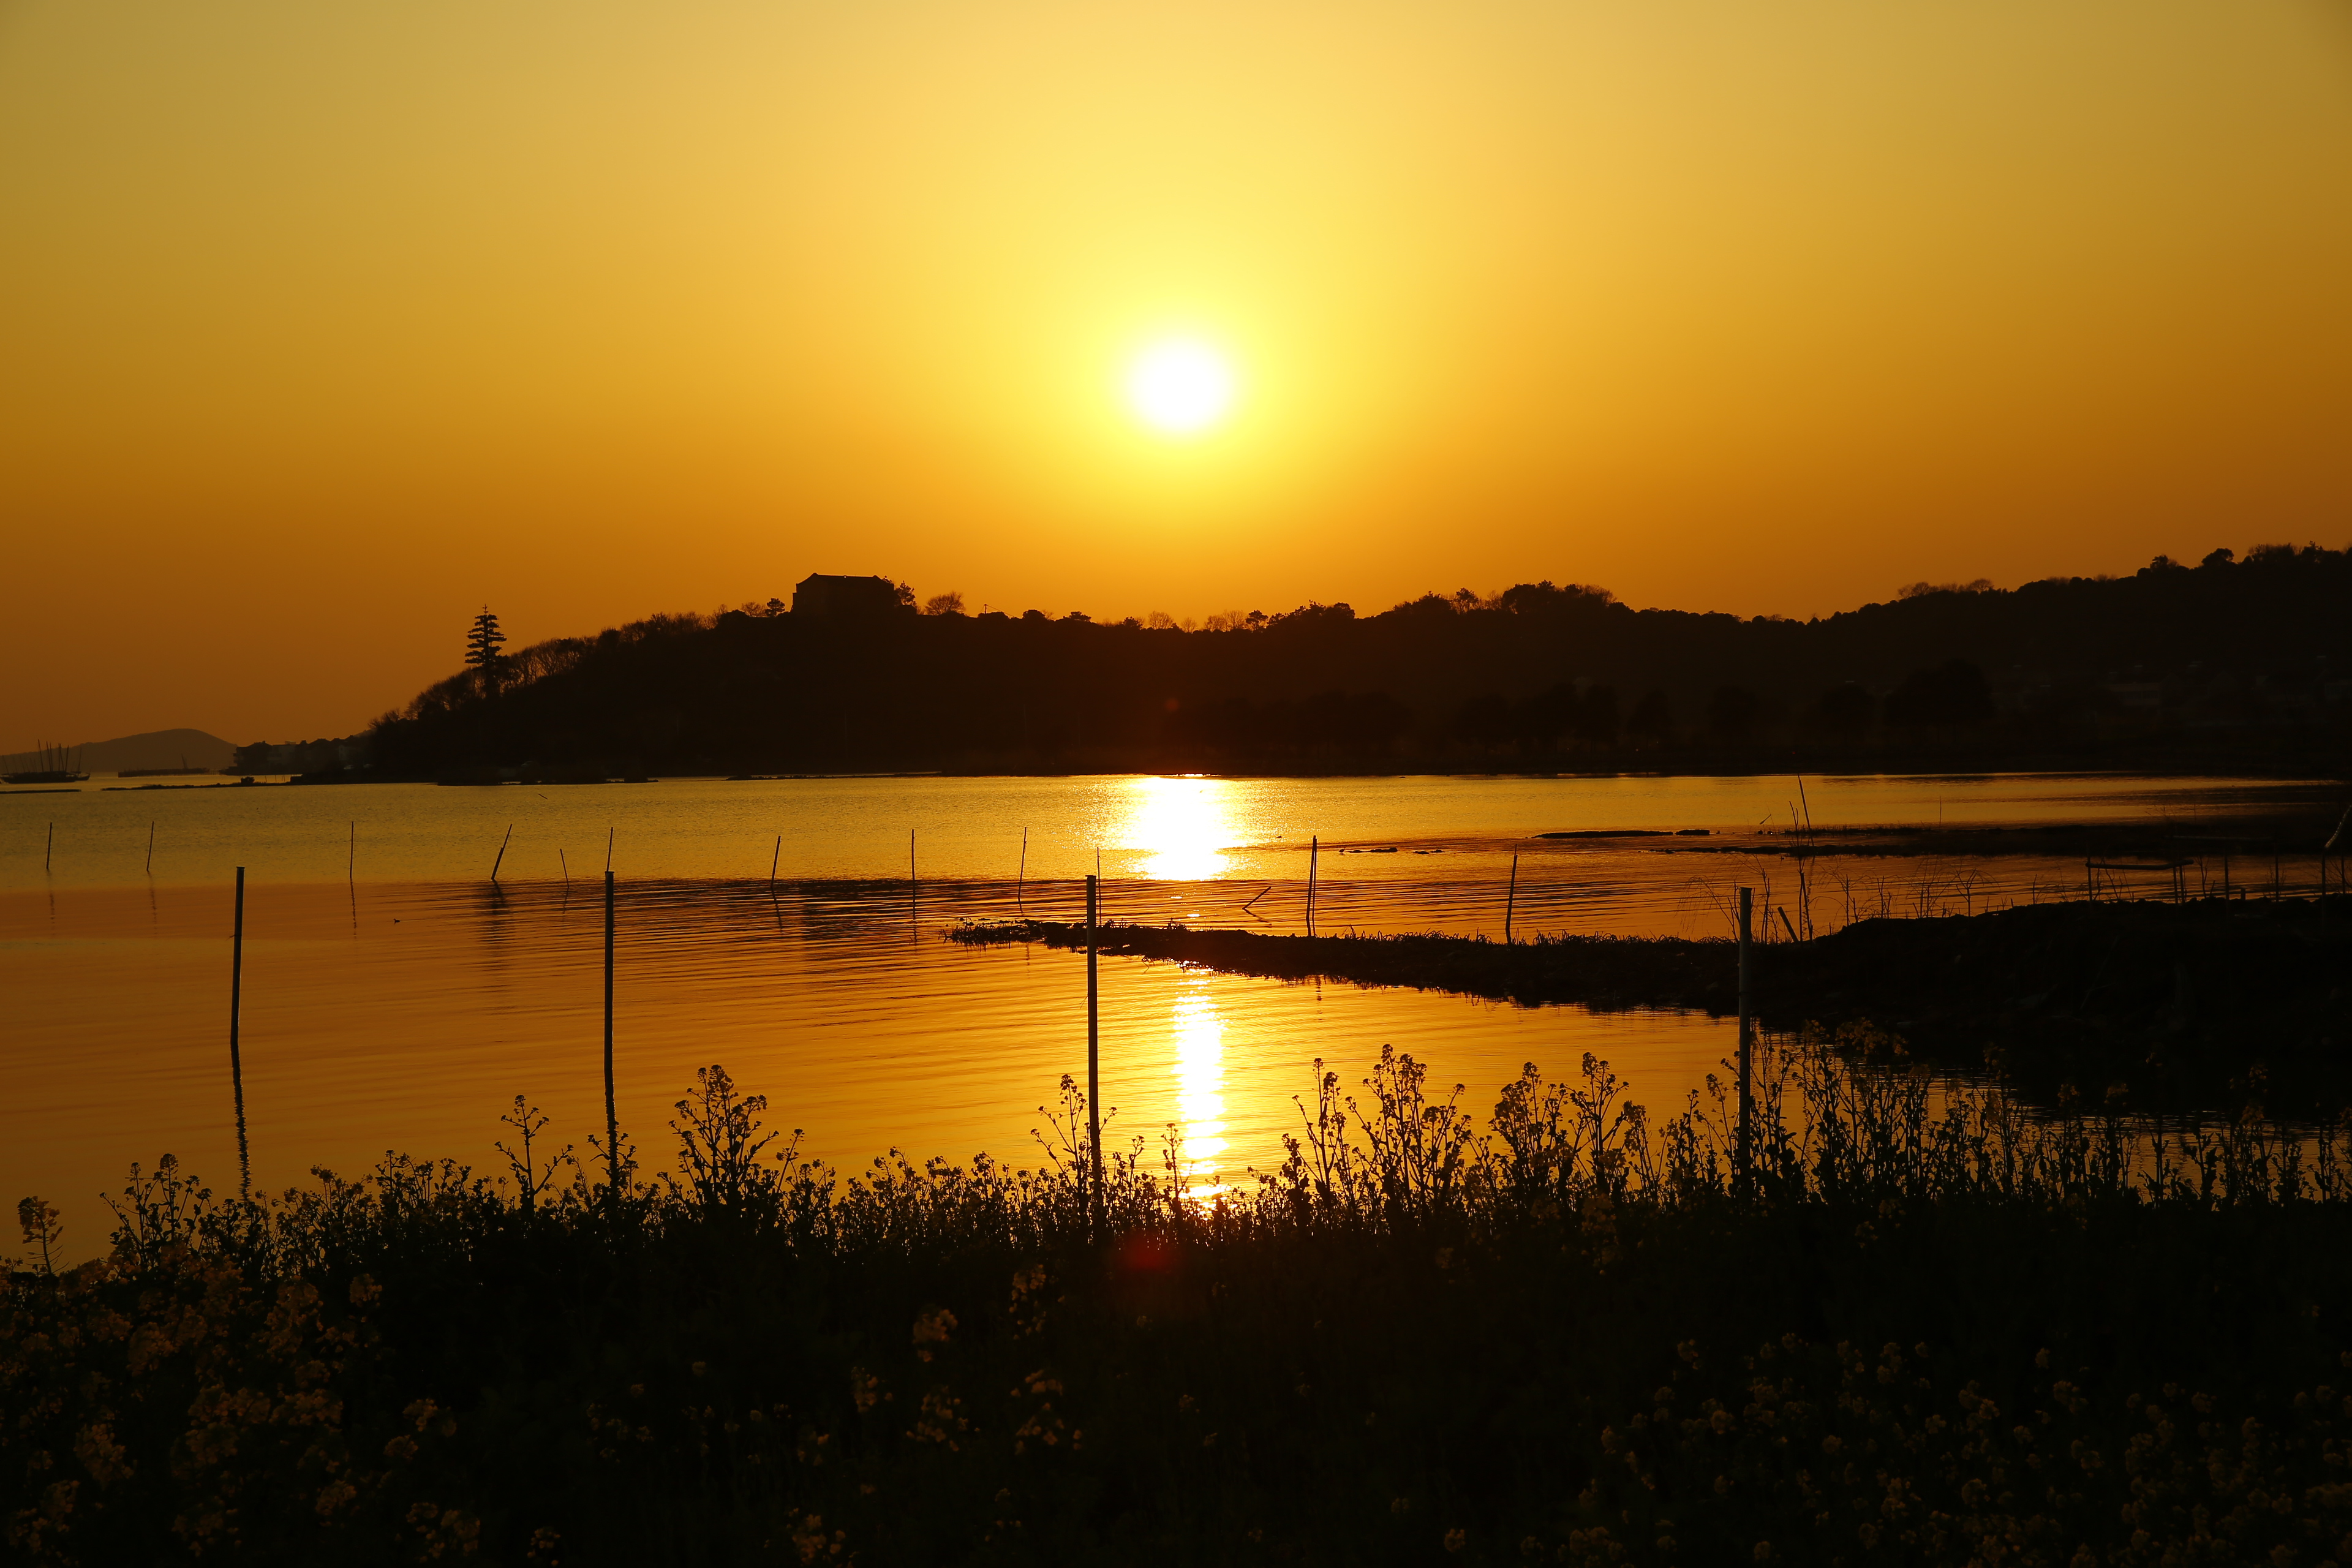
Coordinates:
[483,642]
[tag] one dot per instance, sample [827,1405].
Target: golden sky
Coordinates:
[322,324]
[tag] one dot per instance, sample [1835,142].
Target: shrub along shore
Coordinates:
[1928,1327]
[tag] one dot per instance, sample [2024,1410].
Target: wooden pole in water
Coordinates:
[1314,854]
[774,860]
[611,1116]
[1511,900]
[1021,877]
[608,851]
[565,862]
[913,885]
[150,856]
[48,847]
[1743,1145]
[351,857]
[235,1063]
[2325,850]
[503,853]
[1094,1052]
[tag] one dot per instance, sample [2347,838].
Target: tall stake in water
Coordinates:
[352,857]
[150,853]
[503,853]
[235,1065]
[1021,877]
[1743,1145]
[2326,849]
[1511,900]
[48,848]
[1094,1052]
[1314,853]
[611,1116]
[774,860]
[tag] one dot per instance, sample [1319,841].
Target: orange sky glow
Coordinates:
[321,326]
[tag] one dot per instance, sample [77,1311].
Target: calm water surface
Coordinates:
[1160,828]
[394,998]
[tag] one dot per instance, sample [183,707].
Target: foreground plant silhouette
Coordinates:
[1929,1329]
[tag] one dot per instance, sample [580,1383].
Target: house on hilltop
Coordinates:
[821,594]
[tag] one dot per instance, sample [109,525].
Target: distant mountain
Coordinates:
[156,749]
[2229,665]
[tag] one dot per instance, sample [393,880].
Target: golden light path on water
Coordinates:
[1182,826]
[1199,1036]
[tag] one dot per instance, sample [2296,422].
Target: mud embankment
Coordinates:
[2198,1005]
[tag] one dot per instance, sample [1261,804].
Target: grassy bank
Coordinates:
[2203,1005]
[1928,1330]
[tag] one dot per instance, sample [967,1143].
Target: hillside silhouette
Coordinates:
[2230,664]
[154,749]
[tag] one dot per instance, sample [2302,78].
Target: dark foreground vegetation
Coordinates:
[2202,1006]
[2227,665]
[1928,1328]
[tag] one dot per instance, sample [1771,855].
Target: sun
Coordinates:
[1181,386]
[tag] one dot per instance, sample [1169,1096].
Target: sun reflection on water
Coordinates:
[1200,1035]
[1181,827]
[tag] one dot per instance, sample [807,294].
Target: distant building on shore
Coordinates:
[841,597]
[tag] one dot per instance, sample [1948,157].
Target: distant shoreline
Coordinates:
[2323,784]
[2278,772]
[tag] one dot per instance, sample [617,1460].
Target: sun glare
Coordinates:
[1182,826]
[1181,387]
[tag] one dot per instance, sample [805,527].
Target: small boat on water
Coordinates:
[60,765]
